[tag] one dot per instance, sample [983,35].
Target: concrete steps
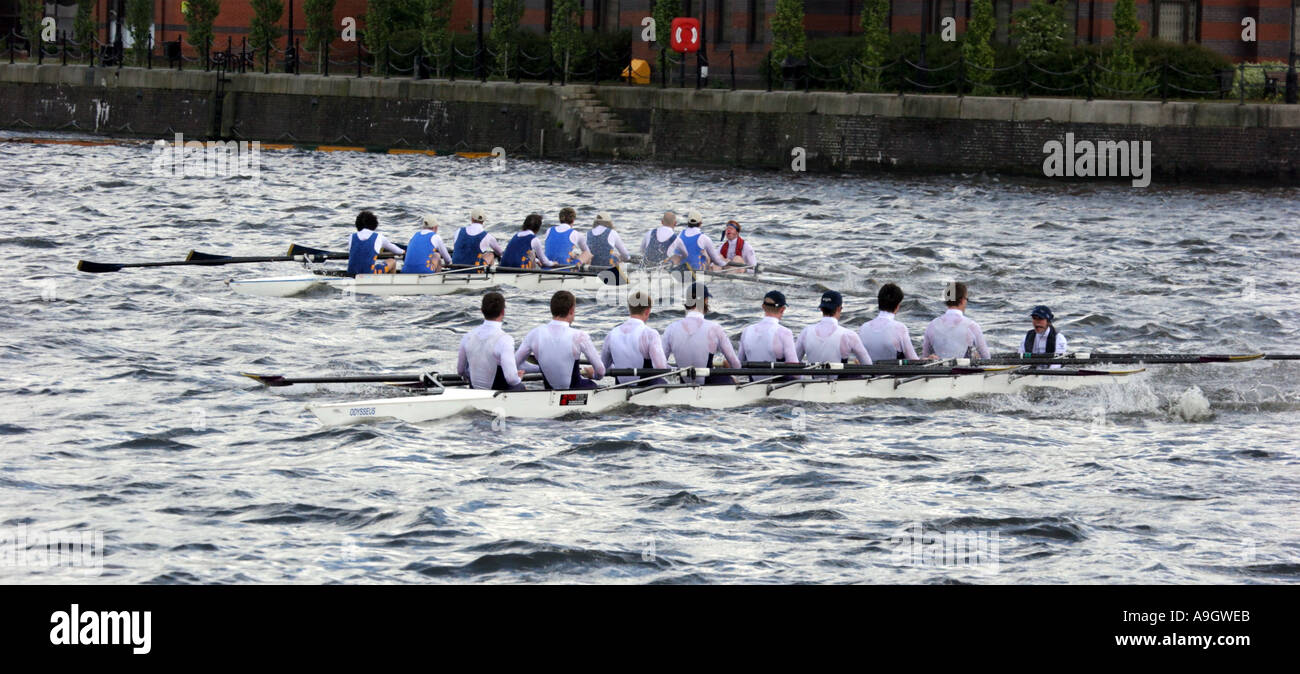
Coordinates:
[600,130]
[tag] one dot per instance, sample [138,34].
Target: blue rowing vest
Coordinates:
[656,252]
[420,254]
[361,255]
[468,248]
[694,254]
[601,252]
[559,247]
[516,253]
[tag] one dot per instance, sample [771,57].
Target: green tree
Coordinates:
[435,28]
[788,36]
[401,25]
[506,15]
[30,13]
[199,17]
[139,16]
[320,26]
[665,12]
[1039,29]
[264,29]
[977,48]
[875,34]
[83,27]
[566,38]
[1123,72]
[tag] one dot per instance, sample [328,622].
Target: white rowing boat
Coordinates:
[551,404]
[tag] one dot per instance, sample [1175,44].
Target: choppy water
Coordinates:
[123,412]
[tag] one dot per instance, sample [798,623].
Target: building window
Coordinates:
[940,10]
[550,13]
[1176,20]
[852,15]
[754,19]
[720,22]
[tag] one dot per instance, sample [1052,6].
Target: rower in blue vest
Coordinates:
[365,245]
[604,244]
[1043,338]
[425,252]
[565,245]
[525,250]
[693,247]
[655,245]
[473,245]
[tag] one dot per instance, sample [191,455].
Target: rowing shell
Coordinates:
[551,404]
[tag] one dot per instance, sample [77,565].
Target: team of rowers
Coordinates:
[489,359]
[563,246]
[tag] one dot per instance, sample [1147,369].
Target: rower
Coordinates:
[473,245]
[525,250]
[767,340]
[693,340]
[655,245]
[826,341]
[954,335]
[557,346]
[565,245]
[487,354]
[1043,338]
[365,245]
[738,254]
[884,337]
[633,344]
[604,244]
[426,253]
[694,247]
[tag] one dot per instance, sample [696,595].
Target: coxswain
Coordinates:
[884,337]
[633,344]
[566,246]
[826,341]
[693,340]
[954,335]
[426,253]
[558,347]
[487,353]
[473,245]
[525,249]
[1043,338]
[655,245]
[604,244]
[768,341]
[738,254]
[694,248]
[365,246]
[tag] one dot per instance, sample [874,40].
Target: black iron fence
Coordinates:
[1087,78]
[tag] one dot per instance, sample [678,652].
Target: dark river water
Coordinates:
[124,413]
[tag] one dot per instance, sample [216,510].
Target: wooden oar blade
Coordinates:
[267,379]
[197,256]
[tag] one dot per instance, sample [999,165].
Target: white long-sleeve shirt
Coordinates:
[1040,343]
[885,337]
[661,233]
[615,242]
[691,340]
[381,242]
[630,345]
[557,346]
[826,341]
[726,251]
[952,335]
[489,242]
[482,351]
[768,341]
[706,245]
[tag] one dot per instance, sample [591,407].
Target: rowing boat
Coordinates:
[551,404]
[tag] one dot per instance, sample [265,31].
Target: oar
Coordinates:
[102,267]
[1149,358]
[400,378]
[760,268]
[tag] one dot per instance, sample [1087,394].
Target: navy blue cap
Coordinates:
[695,291]
[1042,311]
[831,299]
[774,298]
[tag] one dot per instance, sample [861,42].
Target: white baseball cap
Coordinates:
[604,219]
[694,218]
[430,222]
[476,214]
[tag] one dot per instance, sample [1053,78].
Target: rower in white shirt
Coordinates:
[633,344]
[473,244]
[426,253]
[693,247]
[954,335]
[558,347]
[736,251]
[884,336]
[487,353]
[565,245]
[604,244]
[1043,338]
[692,341]
[826,341]
[767,341]
[525,249]
[655,245]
